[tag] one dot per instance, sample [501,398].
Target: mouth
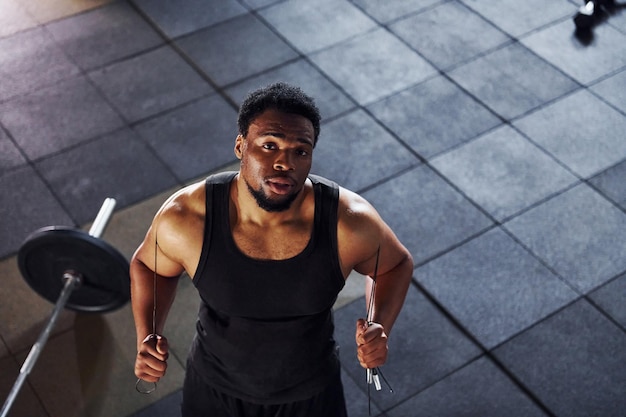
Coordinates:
[280,185]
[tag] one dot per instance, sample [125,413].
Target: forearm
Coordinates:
[390,292]
[143,298]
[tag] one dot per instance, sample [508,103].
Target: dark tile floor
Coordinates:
[488,134]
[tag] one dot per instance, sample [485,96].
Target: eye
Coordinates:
[302,152]
[269,146]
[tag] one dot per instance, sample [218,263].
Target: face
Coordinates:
[276,157]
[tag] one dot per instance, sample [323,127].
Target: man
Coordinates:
[268,248]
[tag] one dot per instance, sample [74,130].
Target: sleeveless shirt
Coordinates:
[265,327]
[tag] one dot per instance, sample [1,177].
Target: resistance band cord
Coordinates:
[372,374]
[154,287]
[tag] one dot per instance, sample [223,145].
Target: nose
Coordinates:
[284,162]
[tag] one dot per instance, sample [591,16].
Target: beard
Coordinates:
[267,204]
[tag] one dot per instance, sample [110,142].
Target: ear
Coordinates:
[239,144]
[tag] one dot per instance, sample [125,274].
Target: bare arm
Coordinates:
[154,271]
[367,233]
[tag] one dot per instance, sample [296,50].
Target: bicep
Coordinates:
[366,238]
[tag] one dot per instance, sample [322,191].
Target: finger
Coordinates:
[371,333]
[148,367]
[361,326]
[155,347]
[162,346]
[372,359]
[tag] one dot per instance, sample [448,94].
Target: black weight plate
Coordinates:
[49,252]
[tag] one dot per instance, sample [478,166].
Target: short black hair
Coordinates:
[282,97]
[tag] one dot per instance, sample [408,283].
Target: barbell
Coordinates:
[73,269]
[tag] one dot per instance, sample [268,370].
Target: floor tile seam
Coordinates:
[580,298]
[306,56]
[35,166]
[554,194]
[356,383]
[605,77]
[538,28]
[485,352]
[553,157]
[286,40]
[48,22]
[84,72]
[48,185]
[544,263]
[446,73]
[512,378]
[170,39]
[548,62]
[600,309]
[404,16]
[589,183]
[11,138]
[172,43]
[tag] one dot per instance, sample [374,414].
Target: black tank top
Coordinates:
[265,327]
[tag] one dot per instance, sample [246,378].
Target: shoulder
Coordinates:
[360,229]
[355,211]
[181,219]
[187,201]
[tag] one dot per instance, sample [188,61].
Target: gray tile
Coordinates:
[14,18]
[585,63]
[426,213]
[613,89]
[176,17]
[506,81]
[311,26]
[27,402]
[612,183]
[96,367]
[32,206]
[150,83]
[4,350]
[357,403]
[434,116]
[257,4]
[30,60]
[520,17]
[479,389]
[103,35]
[423,347]
[166,407]
[580,131]
[387,11]
[612,299]
[57,117]
[10,156]
[194,139]
[573,362]
[385,66]
[118,165]
[449,34]
[330,100]
[579,234]
[503,172]
[617,17]
[357,135]
[212,49]
[494,287]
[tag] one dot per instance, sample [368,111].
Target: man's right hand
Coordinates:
[151,361]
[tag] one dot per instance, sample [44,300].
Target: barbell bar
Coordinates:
[75,270]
